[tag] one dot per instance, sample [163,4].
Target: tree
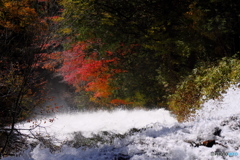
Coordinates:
[157,43]
[213,27]
[139,33]
[217,22]
[23,33]
[85,70]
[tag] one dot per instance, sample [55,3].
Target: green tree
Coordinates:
[213,41]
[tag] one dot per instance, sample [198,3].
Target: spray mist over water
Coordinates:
[58,96]
[64,123]
[163,138]
[88,123]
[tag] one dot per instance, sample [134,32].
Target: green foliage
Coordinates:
[159,44]
[82,101]
[206,82]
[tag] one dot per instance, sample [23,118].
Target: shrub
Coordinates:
[207,81]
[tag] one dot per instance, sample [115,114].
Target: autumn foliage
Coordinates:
[24,30]
[16,15]
[87,71]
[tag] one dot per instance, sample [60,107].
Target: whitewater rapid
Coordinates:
[158,137]
[62,125]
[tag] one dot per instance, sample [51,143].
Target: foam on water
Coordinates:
[229,105]
[163,138]
[118,121]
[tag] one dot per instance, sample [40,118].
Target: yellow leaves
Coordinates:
[18,9]
[8,4]
[107,22]
[8,24]
[107,19]
[206,82]
[107,15]
[66,30]
[17,14]
[57,19]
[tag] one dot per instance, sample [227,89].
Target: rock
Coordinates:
[209,143]
[217,132]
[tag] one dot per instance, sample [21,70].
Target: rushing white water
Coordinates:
[162,137]
[88,123]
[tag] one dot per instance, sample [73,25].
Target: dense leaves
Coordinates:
[157,43]
[84,69]
[153,53]
[130,30]
[206,82]
[23,34]
[137,53]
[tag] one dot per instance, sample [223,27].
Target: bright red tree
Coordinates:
[88,71]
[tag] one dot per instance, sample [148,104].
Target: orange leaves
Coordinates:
[88,71]
[100,88]
[16,14]
[119,102]
[49,61]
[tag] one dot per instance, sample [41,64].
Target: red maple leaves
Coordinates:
[87,70]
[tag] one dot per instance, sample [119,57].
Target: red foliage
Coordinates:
[88,71]
[119,102]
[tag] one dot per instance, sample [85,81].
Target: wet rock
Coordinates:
[217,131]
[121,157]
[209,143]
